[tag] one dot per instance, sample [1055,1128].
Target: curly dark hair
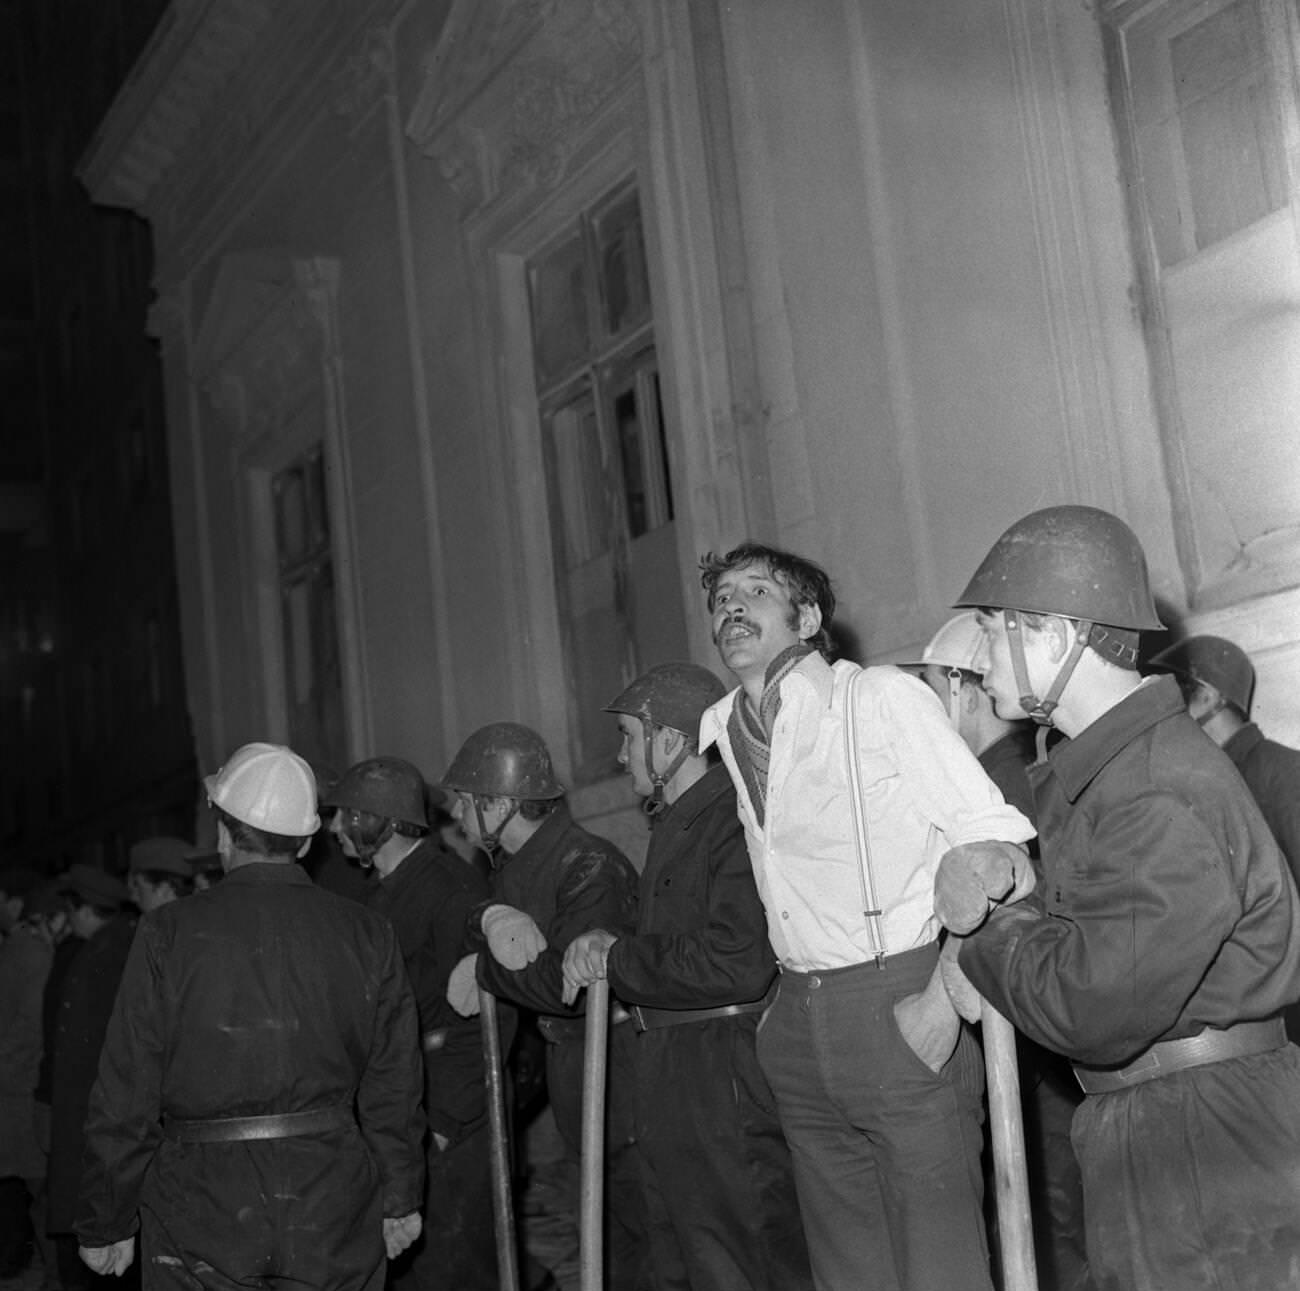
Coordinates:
[806,581]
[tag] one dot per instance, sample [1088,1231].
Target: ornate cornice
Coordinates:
[510,84]
[198,48]
[265,335]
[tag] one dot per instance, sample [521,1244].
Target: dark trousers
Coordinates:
[1192,1181]
[457,1249]
[719,1185]
[15,1226]
[303,1211]
[886,1152]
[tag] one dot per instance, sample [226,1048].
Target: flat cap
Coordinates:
[94,886]
[162,855]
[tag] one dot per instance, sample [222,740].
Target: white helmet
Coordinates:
[955,647]
[269,787]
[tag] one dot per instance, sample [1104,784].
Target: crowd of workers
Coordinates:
[270,1083]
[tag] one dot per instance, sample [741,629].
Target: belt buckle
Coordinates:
[637,1016]
[1142,1069]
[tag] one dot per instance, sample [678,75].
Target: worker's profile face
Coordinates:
[631,754]
[755,619]
[338,826]
[467,819]
[994,660]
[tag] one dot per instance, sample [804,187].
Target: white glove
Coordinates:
[973,876]
[400,1233]
[965,998]
[513,937]
[114,1259]
[462,987]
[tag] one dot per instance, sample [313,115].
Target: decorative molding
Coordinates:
[508,90]
[365,79]
[197,50]
[267,331]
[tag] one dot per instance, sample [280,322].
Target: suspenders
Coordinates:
[870,906]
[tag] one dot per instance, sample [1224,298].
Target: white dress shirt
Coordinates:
[923,792]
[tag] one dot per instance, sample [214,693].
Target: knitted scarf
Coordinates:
[750,729]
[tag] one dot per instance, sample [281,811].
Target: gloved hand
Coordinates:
[114,1259]
[928,1023]
[400,1233]
[513,937]
[585,961]
[972,876]
[462,987]
[965,998]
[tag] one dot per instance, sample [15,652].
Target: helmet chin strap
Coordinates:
[656,802]
[1041,710]
[490,840]
[954,695]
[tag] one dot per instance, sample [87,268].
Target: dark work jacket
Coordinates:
[1272,773]
[264,994]
[1166,906]
[85,1005]
[569,881]
[701,938]
[428,898]
[1006,762]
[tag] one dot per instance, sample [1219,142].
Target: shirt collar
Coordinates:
[813,668]
[1078,761]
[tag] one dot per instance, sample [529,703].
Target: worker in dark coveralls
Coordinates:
[1217,679]
[951,665]
[427,893]
[257,1113]
[552,880]
[1162,945]
[103,929]
[722,1211]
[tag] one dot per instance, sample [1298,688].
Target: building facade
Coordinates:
[482,320]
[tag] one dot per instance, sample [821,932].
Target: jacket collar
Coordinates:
[683,813]
[1243,740]
[1078,761]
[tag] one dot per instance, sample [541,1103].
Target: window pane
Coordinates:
[577,479]
[624,279]
[561,332]
[1228,127]
[638,421]
[291,516]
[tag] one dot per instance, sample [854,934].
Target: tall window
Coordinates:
[1208,126]
[1206,106]
[313,673]
[608,480]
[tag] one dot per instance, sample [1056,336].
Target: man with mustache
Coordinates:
[851,786]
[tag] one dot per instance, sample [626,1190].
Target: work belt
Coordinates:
[557,1030]
[237,1129]
[1168,1056]
[648,1019]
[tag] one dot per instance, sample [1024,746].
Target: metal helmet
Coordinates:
[954,648]
[956,645]
[674,696]
[504,760]
[1078,562]
[387,787]
[269,787]
[1213,662]
[670,694]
